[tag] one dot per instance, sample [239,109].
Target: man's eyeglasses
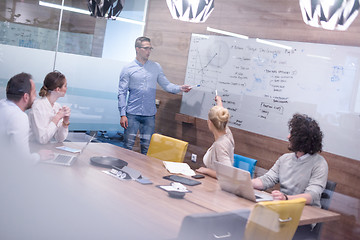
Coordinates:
[147,48]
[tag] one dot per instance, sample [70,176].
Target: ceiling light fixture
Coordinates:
[106,8]
[273,44]
[226,33]
[191,10]
[331,15]
[87,12]
[317,56]
[71,9]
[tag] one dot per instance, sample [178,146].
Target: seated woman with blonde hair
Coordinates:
[222,150]
[48,119]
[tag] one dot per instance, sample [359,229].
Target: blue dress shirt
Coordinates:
[140,81]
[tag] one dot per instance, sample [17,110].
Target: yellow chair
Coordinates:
[274,220]
[167,148]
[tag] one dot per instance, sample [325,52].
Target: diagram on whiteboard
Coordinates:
[218,54]
[262,86]
[205,64]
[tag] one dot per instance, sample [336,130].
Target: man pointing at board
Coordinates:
[137,110]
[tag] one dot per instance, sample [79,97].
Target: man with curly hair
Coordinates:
[302,173]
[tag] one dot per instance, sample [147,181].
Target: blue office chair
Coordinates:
[306,231]
[245,163]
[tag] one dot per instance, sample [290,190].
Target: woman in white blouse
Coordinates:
[222,150]
[48,119]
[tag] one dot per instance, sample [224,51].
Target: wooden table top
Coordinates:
[145,210]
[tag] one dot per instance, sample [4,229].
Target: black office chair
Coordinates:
[227,225]
[305,232]
[327,194]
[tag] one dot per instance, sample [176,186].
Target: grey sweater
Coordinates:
[297,176]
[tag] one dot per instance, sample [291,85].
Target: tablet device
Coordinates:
[183,180]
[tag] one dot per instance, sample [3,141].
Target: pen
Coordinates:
[195,86]
[216,92]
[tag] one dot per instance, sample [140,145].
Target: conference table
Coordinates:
[102,206]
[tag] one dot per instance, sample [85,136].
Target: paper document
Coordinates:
[179,167]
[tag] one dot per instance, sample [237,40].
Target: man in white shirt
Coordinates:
[14,122]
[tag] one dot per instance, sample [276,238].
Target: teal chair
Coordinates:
[245,163]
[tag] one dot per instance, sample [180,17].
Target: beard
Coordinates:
[290,147]
[29,105]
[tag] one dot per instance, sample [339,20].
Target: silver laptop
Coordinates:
[238,181]
[65,159]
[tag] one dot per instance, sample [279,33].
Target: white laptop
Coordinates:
[65,159]
[238,181]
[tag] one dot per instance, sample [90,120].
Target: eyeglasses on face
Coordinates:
[147,48]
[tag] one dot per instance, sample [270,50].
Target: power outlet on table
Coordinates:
[193,157]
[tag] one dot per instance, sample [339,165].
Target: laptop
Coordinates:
[238,181]
[65,159]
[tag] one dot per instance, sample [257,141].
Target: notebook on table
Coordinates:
[238,181]
[65,159]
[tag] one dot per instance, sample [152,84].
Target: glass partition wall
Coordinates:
[89,51]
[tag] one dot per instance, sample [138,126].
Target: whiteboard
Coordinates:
[262,86]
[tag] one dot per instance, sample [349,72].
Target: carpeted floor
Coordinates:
[110,137]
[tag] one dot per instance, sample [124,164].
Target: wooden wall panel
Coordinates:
[268,19]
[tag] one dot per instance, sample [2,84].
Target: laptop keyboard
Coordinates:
[62,158]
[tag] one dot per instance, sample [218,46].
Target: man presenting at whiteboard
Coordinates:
[138,109]
[302,173]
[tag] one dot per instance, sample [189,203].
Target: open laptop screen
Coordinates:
[238,181]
